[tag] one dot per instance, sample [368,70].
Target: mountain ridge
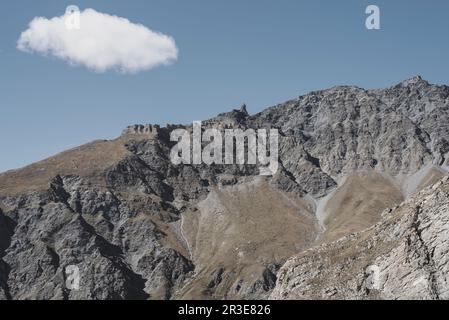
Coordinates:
[139,227]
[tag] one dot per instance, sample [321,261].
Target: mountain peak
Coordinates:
[414,81]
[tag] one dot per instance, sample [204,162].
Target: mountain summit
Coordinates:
[414,80]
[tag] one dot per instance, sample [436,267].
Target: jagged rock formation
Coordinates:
[139,227]
[148,129]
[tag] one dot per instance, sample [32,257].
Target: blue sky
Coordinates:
[258,52]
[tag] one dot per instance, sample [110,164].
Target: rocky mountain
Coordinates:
[407,249]
[136,226]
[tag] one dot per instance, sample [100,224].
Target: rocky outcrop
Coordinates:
[6,232]
[139,129]
[404,256]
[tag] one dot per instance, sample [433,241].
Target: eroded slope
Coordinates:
[408,250]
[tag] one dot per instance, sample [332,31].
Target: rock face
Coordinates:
[405,256]
[132,225]
[147,129]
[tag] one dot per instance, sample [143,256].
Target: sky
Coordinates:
[213,56]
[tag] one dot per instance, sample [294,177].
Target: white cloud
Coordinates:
[103,42]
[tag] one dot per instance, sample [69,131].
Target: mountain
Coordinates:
[139,227]
[408,247]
